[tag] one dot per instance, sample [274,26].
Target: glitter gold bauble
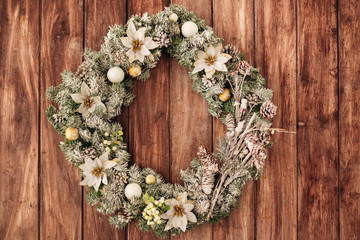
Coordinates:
[71,134]
[135,71]
[225,95]
[150,179]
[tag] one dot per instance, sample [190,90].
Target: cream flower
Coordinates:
[179,213]
[210,60]
[94,171]
[88,103]
[137,42]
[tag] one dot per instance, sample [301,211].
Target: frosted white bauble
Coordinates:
[189,29]
[115,74]
[173,17]
[132,190]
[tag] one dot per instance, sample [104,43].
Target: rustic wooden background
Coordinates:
[308,50]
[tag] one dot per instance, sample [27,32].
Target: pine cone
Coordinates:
[89,152]
[243,67]
[84,69]
[256,149]
[252,98]
[208,82]
[211,167]
[232,51]
[124,216]
[202,206]
[161,38]
[119,57]
[121,178]
[57,118]
[265,138]
[268,110]
[230,122]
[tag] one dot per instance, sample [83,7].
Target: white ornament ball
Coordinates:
[115,74]
[173,17]
[132,190]
[189,29]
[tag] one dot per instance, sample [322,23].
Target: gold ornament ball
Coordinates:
[150,179]
[135,71]
[225,95]
[173,17]
[71,134]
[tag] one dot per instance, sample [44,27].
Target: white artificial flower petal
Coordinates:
[104,179]
[97,184]
[109,164]
[127,41]
[227,56]
[168,226]
[85,90]
[191,217]
[201,54]
[220,67]
[83,110]
[150,44]
[210,51]
[140,34]
[144,51]
[218,49]
[188,207]
[183,223]
[209,71]
[131,30]
[78,98]
[140,56]
[222,59]
[104,158]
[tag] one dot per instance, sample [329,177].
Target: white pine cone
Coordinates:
[124,216]
[202,206]
[268,110]
[161,38]
[230,122]
[257,150]
[232,51]
[84,69]
[208,82]
[210,169]
[243,67]
[89,152]
[252,98]
[121,178]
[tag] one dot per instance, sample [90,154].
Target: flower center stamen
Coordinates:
[97,172]
[178,211]
[88,102]
[137,45]
[210,60]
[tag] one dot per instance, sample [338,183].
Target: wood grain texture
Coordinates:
[98,16]
[349,57]
[234,21]
[189,127]
[276,58]
[149,116]
[317,108]
[61,48]
[19,119]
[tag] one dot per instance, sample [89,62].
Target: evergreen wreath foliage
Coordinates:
[212,185]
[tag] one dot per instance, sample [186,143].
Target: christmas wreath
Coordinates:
[89,99]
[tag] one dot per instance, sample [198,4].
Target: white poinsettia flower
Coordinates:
[88,103]
[179,213]
[94,171]
[211,60]
[137,42]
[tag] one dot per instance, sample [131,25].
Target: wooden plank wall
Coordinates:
[310,54]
